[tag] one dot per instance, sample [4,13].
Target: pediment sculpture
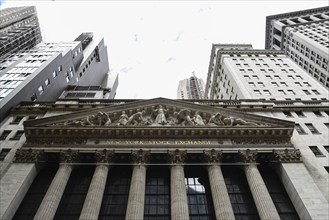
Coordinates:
[159,116]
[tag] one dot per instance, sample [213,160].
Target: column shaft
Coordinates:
[265,206]
[54,193]
[179,207]
[220,197]
[93,201]
[135,207]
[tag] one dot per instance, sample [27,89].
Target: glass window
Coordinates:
[17,135]
[47,82]
[299,129]
[198,194]
[4,134]
[318,114]
[17,120]
[312,129]
[3,154]
[257,92]
[33,198]
[278,193]
[300,114]
[40,89]
[287,114]
[115,196]
[157,194]
[239,193]
[327,148]
[315,150]
[74,194]
[315,92]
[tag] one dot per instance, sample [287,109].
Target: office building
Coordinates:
[19,29]
[240,72]
[191,88]
[270,76]
[158,158]
[44,72]
[303,36]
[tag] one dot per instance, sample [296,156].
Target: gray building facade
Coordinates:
[191,88]
[270,75]
[44,72]
[303,36]
[19,29]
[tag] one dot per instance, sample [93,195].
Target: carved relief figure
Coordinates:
[183,117]
[216,119]
[123,119]
[198,119]
[136,119]
[231,121]
[161,116]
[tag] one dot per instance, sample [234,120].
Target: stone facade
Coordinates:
[159,133]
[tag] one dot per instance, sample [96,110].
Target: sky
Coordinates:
[154,44]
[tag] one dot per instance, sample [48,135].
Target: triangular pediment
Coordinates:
[157,114]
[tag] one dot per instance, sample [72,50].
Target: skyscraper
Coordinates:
[19,29]
[303,36]
[269,76]
[44,72]
[246,73]
[191,88]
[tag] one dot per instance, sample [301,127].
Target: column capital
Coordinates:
[104,156]
[177,156]
[28,156]
[69,156]
[213,156]
[247,156]
[140,156]
[287,156]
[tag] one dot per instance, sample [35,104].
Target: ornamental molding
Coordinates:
[248,156]
[104,156]
[140,156]
[287,156]
[261,141]
[152,118]
[28,156]
[69,156]
[213,156]
[177,156]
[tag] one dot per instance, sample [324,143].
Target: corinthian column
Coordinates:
[50,202]
[220,197]
[135,207]
[265,206]
[179,207]
[93,201]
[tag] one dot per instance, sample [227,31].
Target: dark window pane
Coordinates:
[239,193]
[278,193]
[35,194]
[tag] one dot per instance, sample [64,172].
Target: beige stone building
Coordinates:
[156,159]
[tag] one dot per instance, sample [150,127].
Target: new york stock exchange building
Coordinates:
[154,159]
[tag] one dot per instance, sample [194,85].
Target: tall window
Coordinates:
[115,197]
[299,129]
[315,150]
[33,198]
[312,129]
[278,194]
[241,199]
[75,193]
[17,135]
[157,194]
[5,134]
[199,195]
